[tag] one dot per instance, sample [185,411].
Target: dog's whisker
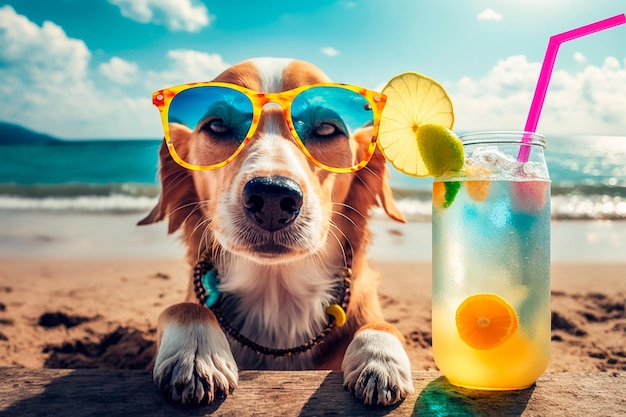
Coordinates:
[199,249]
[378,177]
[365,183]
[343,234]
[343,250]
[205,236]
[173,182]
[200,204]
[332,224]
[201,222]
[175,179]
[347,218]
[196,206]
[348,206]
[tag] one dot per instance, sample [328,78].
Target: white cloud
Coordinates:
[489,14]
[119,70]
[186,66]
[47,75]
[330,51]
[44,53]
[176,15]
[579,57]
[591,101]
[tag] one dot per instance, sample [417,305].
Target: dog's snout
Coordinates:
[272,202]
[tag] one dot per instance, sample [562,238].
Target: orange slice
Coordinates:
[485,321]
[477,190]
[439,194]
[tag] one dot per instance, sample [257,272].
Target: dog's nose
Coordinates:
[272,202]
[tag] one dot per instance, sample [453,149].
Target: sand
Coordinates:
[101,313]
[84,289]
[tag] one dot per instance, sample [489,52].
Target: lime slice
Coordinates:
[444,193]
[414,100]
[440,148]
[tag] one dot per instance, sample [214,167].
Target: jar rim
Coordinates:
[504,136]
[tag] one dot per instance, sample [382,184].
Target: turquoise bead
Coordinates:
[209,280]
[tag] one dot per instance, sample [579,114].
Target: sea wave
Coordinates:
[78,189]
[80,197]
[109,204]
[557,189]
[564,206]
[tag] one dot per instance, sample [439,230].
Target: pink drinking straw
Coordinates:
[546,72]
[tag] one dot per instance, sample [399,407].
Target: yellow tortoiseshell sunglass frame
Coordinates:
[163,98]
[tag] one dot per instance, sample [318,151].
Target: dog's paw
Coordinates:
[377,369]
[194,364]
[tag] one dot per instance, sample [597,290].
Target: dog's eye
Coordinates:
[224,131]
[318,123]
[326,129]
[216,126]
[320,131]
[218,129]
[226,123]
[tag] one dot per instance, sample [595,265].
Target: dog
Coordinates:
[277,274]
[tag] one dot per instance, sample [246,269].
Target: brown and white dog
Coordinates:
[282,280]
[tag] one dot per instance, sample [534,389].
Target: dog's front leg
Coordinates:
[376,367]
[194,363]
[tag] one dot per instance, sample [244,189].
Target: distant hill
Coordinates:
[13,134]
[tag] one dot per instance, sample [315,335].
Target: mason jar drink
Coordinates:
[491,264]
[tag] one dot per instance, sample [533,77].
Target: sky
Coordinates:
[78,69]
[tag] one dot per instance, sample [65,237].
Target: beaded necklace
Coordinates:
[206,280]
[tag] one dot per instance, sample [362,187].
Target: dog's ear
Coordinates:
[178,198]
[375,174]
[374,177]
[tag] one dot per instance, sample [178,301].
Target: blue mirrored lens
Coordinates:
[199,105]
[326,119]
[217,118]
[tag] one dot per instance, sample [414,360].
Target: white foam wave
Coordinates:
[564,207]
[114,203]
[568,206]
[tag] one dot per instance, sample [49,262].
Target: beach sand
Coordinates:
[81,291]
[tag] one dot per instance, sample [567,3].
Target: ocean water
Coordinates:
[120,176]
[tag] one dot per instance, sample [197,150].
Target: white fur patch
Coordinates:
[194,363]
[278,306]
[270,72]
[273,152]
[377,369]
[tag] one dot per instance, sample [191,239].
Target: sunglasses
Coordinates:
[334,125]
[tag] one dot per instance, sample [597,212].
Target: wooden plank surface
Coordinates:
[56,392]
